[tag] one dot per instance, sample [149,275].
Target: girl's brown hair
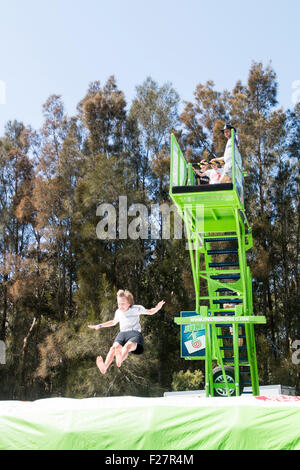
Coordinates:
[128,296]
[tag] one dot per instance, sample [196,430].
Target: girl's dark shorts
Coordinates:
[134,336]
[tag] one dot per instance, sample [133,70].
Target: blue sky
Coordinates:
[60,46]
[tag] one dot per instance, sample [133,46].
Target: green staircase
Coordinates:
[219,237]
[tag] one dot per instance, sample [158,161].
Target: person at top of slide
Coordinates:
[203,174]
[227,158]
[130,338]
[216,172]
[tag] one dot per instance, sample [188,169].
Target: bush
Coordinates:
[183,381]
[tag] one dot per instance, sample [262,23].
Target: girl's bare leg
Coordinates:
[103,366]
[100,364]
[127,348]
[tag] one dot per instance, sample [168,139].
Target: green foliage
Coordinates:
[187,380]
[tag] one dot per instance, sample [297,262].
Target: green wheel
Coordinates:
[218,378]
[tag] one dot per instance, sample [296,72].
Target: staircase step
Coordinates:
[223,314]
[223,252]
[228,301]
[225,276]
[223,265]
[230,348]
[225,289]
[221,239]
[229,337]
[231,359]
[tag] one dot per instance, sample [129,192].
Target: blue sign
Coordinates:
[192,338]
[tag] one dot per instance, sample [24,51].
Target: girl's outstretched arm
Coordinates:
[103,325]
[152,311]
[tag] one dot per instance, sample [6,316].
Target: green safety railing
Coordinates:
[182,173]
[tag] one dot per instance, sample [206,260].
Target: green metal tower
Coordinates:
[222,326]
